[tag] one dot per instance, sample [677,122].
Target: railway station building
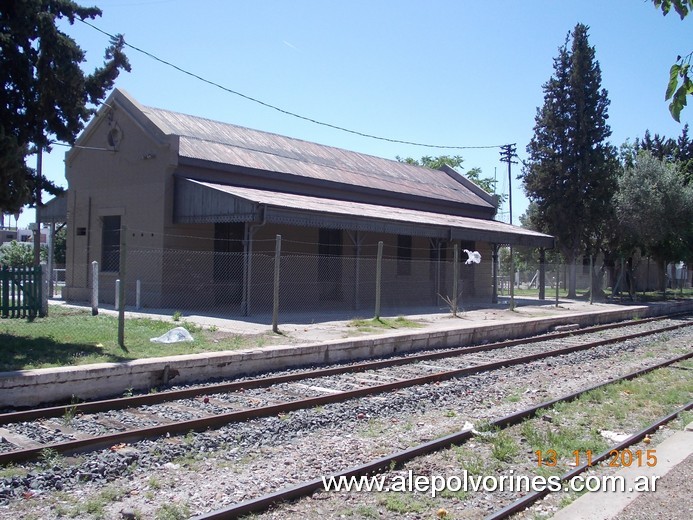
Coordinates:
[194,206]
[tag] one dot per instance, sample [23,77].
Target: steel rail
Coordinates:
[217,421]
[187,393]
[303,489]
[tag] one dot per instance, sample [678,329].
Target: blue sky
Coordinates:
[444,72]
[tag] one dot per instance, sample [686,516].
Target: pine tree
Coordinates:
[571,170]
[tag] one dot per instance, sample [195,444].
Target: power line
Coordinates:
[283,111]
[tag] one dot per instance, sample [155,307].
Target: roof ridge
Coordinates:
[337,164]
[281,136]
[298,159]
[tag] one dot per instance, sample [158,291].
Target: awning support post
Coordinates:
[378,278]
[455,277]
[542,274]
[275,300]
[494,273]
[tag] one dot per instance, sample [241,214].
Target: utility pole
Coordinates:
[508,152]
[37,231]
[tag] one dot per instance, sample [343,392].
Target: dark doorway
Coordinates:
[330,264]
[228,262]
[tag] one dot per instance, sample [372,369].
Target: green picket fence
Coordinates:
[20,294]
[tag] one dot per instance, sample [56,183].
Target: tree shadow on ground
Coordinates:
[17,352]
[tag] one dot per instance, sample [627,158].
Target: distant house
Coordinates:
[202,202]
[9,234]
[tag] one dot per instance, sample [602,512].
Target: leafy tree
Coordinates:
[678,151]
[681,69]
[654,209]
[60,246]
[45,94]
[19,254]
[682,7]
[454,161]
[570,173]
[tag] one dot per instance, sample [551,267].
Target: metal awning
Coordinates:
[55,210]
[206,202]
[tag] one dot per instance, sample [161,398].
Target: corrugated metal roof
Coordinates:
[55,210]
[224,143]
[487,230]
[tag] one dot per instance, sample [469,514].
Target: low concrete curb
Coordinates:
[32,387]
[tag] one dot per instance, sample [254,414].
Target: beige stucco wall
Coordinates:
[133,180]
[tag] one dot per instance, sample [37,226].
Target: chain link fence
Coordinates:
[231,293]
[274,282]
[279,280]
[297,285]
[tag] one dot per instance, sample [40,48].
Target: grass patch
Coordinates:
[69,336]
[564,441]
[471,461]
[366,512]
[173,512]
[10,470]
[404,503]
[574,428]
[651,296]
[671,294]
[382,324]
[94,506]
[503,446]
[373,429]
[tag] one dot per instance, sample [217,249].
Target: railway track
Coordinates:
[395,460]
[91,426]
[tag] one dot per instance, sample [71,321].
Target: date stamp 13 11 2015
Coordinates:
[617,458]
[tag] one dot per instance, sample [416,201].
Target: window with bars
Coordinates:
[110,243]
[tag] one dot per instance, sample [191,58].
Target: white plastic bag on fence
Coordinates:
[473,257]
[173,336]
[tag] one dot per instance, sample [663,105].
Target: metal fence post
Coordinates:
[621,279]
[94,288]
[558,281]
[378,278]
[542,274]
[44,290]
[512,279]
[51,252]
[116,300]
[275,301]
[455,277]
[138,295]
[121,291]
[591,280]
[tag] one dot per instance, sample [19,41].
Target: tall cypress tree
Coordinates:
[571,171]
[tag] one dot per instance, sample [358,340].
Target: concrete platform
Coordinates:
[33,387]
